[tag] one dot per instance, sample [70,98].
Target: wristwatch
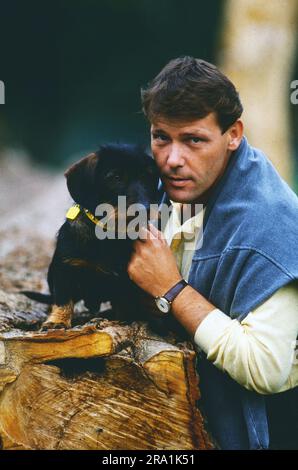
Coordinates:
[164,302]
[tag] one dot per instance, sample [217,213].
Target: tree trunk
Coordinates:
[257,52]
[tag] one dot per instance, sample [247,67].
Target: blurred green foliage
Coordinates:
[73,69]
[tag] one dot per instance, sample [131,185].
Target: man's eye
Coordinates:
[160,137]
[195,140]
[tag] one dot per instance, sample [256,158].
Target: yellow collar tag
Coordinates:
[73,212]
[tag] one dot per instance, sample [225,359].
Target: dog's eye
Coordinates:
[112,176]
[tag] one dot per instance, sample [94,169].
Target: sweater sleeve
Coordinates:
[259,352]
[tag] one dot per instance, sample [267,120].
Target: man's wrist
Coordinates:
[162,290]
[190,308]
[164,302]
[182,296]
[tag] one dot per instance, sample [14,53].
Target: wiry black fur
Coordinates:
[101,177]
[39,297]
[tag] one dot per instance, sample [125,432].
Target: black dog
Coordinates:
[85,267]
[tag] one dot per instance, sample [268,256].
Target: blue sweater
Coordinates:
[250,246]
[249,250]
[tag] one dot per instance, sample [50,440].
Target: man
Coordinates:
[241,302]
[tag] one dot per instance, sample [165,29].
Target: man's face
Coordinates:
[191,156]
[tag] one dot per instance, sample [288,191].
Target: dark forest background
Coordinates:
[73,69]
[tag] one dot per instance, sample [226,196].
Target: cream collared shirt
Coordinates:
[260,352]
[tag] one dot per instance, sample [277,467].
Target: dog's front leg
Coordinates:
[61,283]
[60,317]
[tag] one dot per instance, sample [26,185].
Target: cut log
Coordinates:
[103,385]
[99,385]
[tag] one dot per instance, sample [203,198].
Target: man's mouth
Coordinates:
[177,181]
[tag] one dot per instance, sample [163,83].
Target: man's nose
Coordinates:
[175,156]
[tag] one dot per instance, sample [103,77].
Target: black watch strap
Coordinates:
[175,290]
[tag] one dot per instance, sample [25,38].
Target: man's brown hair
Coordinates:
[188,89]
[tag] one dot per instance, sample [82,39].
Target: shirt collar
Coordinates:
[190,225]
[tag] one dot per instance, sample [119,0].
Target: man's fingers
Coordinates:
[150,233]
[156,232]
[145,234]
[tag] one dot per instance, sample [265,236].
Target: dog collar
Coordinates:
[92,217]
[75,210]
[72,214]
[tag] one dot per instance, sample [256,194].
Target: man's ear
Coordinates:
[80,180]
[235,135]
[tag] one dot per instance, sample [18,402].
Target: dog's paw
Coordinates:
[97,322]
[53,326]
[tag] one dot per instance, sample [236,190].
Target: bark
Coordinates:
[257,52]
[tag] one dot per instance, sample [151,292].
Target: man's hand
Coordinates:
[153,266]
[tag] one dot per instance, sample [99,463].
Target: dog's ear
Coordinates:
[80,179]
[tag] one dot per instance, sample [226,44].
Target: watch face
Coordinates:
[163,305]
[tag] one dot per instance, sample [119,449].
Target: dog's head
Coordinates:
[114,170]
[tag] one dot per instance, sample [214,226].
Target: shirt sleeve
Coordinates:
[258,352]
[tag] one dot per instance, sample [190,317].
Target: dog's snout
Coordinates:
[139,194]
